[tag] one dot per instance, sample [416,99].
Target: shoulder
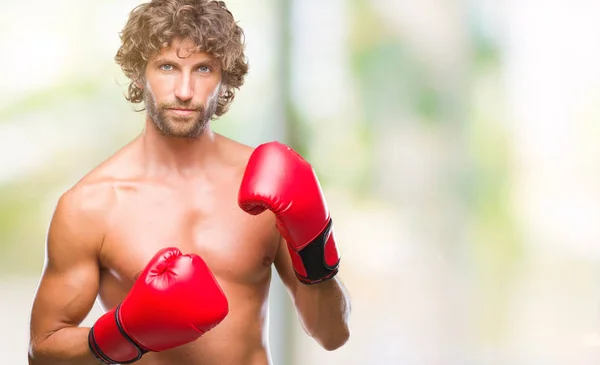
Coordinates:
[89,197]
[82,210]
[76,228]
[94,194]
[236,153]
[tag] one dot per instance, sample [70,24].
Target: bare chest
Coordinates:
[238,248]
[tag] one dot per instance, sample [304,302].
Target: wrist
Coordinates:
[324,285]
[109,342]
[318,260]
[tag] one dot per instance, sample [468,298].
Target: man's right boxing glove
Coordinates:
[175,300]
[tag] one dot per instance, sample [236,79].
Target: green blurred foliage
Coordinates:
[495,247]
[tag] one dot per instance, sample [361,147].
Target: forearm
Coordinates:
[67,346]
[324,311]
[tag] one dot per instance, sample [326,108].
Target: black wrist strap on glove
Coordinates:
[101,356]
[313,259]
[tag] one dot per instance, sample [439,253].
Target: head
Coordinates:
[185,59]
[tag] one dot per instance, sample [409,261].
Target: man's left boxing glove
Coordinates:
[279,179]
[174,301]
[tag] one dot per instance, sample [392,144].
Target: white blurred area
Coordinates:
[434,279]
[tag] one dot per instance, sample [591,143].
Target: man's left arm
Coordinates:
[323,308]
[279,179]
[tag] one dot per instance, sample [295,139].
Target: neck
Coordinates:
[176,154]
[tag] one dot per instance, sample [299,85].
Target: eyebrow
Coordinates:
[207,62]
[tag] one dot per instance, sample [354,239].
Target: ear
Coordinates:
[138,83]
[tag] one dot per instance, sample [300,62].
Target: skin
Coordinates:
[174,185]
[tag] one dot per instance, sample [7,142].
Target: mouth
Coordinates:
[178,111]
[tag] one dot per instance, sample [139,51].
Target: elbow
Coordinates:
[336,340]
[35,353]
[31,359]
[32,354]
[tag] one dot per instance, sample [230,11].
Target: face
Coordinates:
[182,89]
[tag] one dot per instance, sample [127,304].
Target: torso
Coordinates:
[198,215]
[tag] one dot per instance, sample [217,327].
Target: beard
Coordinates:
[181,126]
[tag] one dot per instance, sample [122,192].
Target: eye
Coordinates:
[204,69]
[166,67]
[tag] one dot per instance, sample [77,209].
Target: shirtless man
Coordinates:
[177,232]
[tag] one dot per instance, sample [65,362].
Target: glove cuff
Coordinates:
[109,343]
[317,261]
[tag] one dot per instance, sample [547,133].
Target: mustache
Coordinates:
[179,105]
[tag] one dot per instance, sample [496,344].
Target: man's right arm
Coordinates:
[68,286]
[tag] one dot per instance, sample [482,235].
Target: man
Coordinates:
[176,233]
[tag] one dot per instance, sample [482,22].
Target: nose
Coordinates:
[184,89]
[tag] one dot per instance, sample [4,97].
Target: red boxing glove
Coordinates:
[175,300]
[279,179]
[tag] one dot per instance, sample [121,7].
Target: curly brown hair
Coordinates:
[208,23]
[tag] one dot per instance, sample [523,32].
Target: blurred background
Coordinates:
[457,142]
